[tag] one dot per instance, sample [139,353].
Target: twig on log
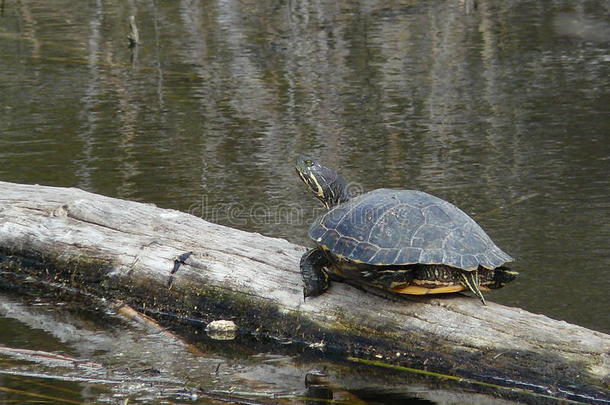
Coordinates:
[178,261]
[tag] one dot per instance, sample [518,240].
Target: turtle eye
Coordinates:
[308,162]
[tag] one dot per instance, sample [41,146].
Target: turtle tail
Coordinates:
[470,280]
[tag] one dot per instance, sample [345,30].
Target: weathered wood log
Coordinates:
[126,250]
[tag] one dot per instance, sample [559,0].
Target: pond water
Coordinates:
[502,108]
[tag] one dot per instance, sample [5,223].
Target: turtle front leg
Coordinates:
[315,279]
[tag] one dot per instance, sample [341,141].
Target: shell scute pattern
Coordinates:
[330,239]
[430,256]
[436,216]
[427,238]
[394,227]
[345,245]
[469,262]
[385,256]
[364,252]
[399,217]
[317,232]
[352,222]
[409,255]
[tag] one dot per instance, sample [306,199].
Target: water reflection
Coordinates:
[480,103]
[114,359]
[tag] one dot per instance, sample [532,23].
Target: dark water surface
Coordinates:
[502,108]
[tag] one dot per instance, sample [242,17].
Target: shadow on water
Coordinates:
[498,108]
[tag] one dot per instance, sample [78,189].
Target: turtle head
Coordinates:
[325,184]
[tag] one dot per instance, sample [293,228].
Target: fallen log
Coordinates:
[125,250]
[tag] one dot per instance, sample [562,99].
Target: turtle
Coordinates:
[404,241]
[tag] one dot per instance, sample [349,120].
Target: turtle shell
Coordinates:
[388,227]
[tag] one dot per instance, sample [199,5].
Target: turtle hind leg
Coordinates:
[315,279]
[470,280]
[503,275]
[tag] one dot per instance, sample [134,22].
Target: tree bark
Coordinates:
[112,248]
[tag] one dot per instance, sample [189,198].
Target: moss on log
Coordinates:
[125,250]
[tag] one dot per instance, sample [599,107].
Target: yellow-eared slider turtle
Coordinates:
[405,241]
